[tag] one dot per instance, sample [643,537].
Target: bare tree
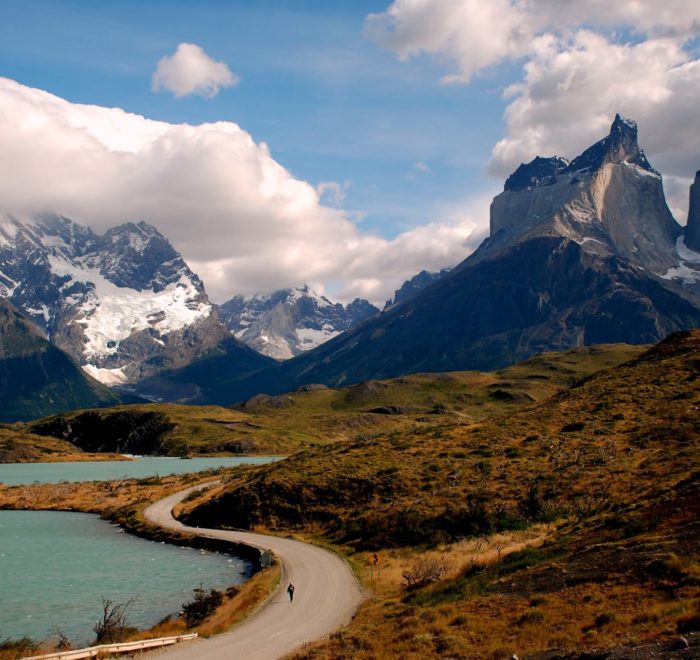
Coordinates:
[111,627]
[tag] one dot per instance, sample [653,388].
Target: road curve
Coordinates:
[326,597]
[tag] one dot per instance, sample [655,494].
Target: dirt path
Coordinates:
[326,597]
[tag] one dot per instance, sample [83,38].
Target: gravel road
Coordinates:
[326,597]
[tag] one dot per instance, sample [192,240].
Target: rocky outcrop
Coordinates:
[417,283]
[692,230]
[609,199]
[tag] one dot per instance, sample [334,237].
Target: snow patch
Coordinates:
[106,376]
[682,272]
[110,313]
[311,338]
[685,253]
[641,171]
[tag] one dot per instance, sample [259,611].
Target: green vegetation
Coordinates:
[314,415]
[609,465]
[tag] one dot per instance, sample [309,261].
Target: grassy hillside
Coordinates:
[20,446]
[569,524]
[316,415]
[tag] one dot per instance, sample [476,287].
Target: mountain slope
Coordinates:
[580,253]
[289,322]
[38,379]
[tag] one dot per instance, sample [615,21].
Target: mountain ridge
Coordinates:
[585,255]
[123,304]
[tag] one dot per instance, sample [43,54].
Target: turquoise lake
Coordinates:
[148,466]
[55,567]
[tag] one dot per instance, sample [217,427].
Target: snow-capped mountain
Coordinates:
[124,304]
[288,322]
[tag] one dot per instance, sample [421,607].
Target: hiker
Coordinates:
[290,591]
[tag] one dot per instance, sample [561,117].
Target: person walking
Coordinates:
[290,591]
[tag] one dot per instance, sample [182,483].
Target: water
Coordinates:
[56,566]
[27,473]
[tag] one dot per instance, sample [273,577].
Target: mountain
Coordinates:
[692,231]
[289,322]
[124,304]
[417,283]
[38,379]
[580,252]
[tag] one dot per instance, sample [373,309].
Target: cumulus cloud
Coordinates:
[189,70]
[240,219]
[582,62]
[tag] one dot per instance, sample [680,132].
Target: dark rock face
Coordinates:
[289,322]
[38,379]
[538,172]
[411,287]
[692,231]
[126,431]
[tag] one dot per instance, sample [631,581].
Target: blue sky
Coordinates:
[375,133]
[330,103]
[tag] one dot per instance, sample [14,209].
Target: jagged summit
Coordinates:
[609,200]
[290,321]
[620,146]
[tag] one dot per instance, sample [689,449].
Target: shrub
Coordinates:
[604,619]
[688,624]
[424,572]
[535,616]
[201,606]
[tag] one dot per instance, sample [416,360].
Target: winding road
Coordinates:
[326,597]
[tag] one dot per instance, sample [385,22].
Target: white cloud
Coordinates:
[241,220]
[420,166]
[332,192]
[579,69]
[191,71]
[474,34]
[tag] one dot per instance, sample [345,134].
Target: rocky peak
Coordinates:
[608,199]
[692,229]
[138,256]
[620,146]
[538,172]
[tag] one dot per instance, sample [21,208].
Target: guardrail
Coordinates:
[123,647]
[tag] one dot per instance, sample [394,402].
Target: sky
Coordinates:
[345,144]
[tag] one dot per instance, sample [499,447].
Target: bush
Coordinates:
[424,572]
[604,619]
[201,606]
[688,624]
